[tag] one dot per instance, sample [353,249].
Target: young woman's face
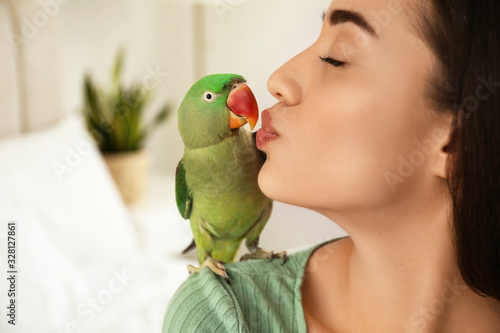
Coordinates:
[345,130]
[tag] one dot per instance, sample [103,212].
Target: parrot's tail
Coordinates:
[191,247]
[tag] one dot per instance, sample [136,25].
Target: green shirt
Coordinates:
[264,296]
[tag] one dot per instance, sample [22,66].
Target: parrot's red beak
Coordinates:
[243,105]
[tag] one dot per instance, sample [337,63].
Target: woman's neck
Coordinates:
[397,273]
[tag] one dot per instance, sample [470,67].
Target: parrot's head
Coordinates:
[215,108]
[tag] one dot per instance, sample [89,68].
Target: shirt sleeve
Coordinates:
[203,304]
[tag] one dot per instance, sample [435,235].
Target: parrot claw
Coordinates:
[284,259]
[261,254]
[214,265]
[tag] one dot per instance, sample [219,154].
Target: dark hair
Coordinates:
[464,37]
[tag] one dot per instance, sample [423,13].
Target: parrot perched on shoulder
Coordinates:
[216,179]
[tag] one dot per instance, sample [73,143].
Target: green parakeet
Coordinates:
[216,179]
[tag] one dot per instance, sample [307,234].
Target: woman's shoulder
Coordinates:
[202,303]
[261,293]
[206,302]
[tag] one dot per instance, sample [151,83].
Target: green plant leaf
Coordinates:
[116,74]
[115,118]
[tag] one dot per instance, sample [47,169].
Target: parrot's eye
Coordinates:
[209,96]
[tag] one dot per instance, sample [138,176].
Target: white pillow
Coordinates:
[65,181]
[72,225]
[47,282]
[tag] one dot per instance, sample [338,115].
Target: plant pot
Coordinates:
[130,170]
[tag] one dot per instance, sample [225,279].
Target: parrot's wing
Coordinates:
[184,201]
[254,138]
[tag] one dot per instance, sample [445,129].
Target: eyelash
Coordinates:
[333,62]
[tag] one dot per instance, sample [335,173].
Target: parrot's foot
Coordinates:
[214,265]
[259,253]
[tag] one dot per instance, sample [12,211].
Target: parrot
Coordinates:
[216,179]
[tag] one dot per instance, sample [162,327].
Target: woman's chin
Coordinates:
[273,185]
[269,182]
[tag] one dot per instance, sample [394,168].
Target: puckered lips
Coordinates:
[243,107]
[267,133]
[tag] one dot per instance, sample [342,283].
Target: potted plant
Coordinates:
[115,120]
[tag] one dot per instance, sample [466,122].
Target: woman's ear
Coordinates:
[441,135]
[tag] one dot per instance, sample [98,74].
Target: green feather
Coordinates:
[182,192]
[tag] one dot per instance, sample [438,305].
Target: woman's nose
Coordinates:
[285,83]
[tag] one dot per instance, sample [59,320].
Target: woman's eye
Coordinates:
[209,96]
[333,62]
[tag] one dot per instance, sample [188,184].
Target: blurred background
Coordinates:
[98,235]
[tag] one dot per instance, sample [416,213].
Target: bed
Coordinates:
[80,262]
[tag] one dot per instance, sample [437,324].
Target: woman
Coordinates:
[389,124]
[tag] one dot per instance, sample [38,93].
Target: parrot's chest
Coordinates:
[224,169]
[223,181]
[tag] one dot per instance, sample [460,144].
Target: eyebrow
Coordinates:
[339,16]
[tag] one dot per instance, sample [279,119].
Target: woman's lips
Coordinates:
[267,133]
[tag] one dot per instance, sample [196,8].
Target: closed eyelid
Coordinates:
[332,61]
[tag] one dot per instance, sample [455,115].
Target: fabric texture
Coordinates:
[263,296]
